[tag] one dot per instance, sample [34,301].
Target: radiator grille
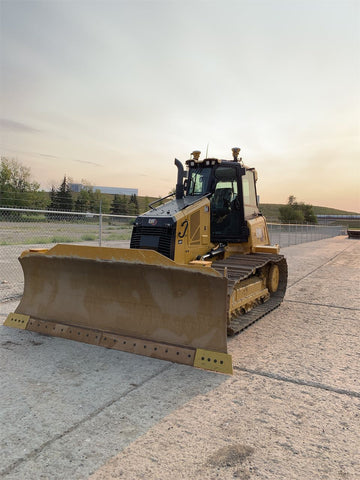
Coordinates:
[161,239]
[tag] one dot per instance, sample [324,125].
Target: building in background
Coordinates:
[77,187]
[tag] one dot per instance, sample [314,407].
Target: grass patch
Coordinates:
[62,239]
[88,237]
[39,241]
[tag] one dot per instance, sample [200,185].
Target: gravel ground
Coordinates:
[290,411]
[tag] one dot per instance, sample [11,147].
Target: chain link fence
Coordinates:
[22,229]
[293,234]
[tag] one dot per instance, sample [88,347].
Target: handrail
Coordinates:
[160,200]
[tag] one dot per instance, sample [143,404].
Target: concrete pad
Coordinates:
[306,343]
[250,427]
[291,410]
[335,283]
[67,406]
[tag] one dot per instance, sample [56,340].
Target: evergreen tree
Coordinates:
[119,205]
[133,207]
[105,203]
[97,201]
[61,199]
[64,197]
[53,200]
[115,205]
[83,201]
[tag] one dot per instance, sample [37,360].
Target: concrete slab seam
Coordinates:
[317,268]
[322,305]
[297,381]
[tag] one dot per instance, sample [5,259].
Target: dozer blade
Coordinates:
[133,300]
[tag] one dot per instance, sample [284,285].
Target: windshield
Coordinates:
[199,181]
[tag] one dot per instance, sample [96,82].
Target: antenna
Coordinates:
[207,148]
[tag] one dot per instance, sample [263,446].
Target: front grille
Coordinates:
[161,239]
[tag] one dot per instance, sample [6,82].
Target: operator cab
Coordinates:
[232,192]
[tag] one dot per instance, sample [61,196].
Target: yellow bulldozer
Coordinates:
[200,267]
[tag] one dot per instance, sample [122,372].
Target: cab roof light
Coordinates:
[235,152]
[196,155]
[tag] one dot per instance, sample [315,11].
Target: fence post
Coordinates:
[289,242]
[100,224]
[280,236]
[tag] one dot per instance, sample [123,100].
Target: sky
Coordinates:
[110,92]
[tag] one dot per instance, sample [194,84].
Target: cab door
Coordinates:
[227,207]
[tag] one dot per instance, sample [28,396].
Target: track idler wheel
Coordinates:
[273,279]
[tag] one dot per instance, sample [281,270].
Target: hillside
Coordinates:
[332,211]
[271,213]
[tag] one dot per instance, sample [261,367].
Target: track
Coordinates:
[241,267]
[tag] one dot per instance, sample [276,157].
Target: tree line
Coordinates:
[17,189]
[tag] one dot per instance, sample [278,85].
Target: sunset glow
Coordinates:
[111,92]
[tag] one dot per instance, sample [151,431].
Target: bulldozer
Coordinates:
[200,268]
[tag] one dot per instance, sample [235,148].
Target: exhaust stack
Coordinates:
[180,184]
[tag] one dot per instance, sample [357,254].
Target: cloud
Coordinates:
[54,157]
[17,126]
[86,161]
[45,155]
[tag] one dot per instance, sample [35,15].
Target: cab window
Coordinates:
[249,194]
[226,185]
[199,181]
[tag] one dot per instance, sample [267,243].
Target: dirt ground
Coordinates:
[290,411]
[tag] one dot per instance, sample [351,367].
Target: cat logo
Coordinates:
[152,221]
